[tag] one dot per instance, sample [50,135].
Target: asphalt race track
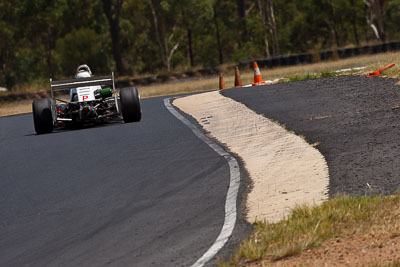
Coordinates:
[351,117]
[141,194]
[153,194]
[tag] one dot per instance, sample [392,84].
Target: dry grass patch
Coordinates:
[14,108]
[371,62]
[35,86]
[291,73]
[179,87]
[308,228]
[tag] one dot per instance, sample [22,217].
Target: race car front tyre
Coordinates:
[130,104]
[42,115]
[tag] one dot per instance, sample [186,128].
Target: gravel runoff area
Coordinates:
[354,118]
[284,169]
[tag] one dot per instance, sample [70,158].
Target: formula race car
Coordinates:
[92,100]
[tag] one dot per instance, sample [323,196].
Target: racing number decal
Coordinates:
[84,97]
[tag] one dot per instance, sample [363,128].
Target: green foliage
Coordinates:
[42,39]
[82,46]
[310,76]
[392,18]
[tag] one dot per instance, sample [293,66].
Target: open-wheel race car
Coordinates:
[92,100]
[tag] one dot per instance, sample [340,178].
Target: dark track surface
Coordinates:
[352,118]
[142,194]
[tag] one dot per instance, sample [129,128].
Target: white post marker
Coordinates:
[231,198]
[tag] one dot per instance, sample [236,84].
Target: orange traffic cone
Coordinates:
[238,81]
[257,75]
[221,81]
[378,72]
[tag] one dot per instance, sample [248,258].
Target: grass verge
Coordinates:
[287,74]
[14,108]
[309,227]
[291,73]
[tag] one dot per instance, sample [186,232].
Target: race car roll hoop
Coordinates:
[95,100]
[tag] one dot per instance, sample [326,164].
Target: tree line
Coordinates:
[50,38]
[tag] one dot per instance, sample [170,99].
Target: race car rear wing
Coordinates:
[82,82]
[61,85]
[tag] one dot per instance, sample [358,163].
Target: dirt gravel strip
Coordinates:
[284,168]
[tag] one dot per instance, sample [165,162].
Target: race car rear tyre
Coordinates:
[42,115]
[130,104]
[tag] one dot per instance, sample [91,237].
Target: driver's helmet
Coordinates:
[83,71]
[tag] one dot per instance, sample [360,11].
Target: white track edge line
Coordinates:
[231,197]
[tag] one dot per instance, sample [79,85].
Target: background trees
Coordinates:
[112,10]
[42,39]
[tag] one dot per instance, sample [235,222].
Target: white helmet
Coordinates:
[83,71]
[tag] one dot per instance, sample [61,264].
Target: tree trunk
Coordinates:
[271,13]
[241,8]
[368,17]
[379,19]
[354,24]
[344,31]
[221,57]
[162,40]
[333,24]
[112,11]
[272,23]
[377,7]
[264,23]
[158,37]
[189,34]
[355,31]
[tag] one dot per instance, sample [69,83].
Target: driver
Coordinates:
[83,71]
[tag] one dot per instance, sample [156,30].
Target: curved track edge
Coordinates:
[232,195]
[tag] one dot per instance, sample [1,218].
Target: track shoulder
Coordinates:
[351,118]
